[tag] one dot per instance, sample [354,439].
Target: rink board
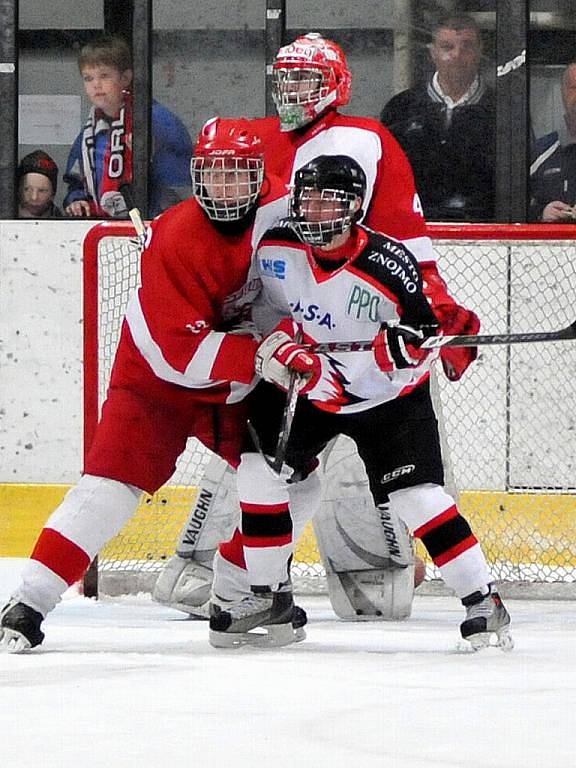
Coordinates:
[24,508]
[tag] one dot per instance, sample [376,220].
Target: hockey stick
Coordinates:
[134,213]
[277,464]
[435,342]
[287,419]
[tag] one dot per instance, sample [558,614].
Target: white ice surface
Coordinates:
[133,684]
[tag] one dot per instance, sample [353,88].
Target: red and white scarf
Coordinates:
[107,201]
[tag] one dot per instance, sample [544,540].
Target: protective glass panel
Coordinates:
[52,102]
[553,112]
[208,59]
[431,85]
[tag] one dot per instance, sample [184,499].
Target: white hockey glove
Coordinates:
[278,355]
[397,347]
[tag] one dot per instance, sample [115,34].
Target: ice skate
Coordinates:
[487,621]
[19,628]
[274,614]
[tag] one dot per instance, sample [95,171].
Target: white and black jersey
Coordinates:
[380,283]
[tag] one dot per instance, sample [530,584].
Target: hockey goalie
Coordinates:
[367,554]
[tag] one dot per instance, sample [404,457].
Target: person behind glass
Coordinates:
[447,127]
[37,178]
[100,160]
[553,171]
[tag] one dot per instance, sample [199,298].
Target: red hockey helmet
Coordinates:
[227,168]
[310,75]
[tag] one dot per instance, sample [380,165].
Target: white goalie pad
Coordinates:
[367,552]
[186,580]
[184,585]
[214,515]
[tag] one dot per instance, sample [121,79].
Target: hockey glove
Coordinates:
[457,321]
[278,355]
[397,347]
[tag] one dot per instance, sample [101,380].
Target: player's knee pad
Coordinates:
[418,505]
[184,584]
[94,511]
[258,484]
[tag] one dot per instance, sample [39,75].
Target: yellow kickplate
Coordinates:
[513,527]
[24,508]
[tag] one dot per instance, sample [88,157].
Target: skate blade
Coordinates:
[12,641]
[501,639]
[273,636]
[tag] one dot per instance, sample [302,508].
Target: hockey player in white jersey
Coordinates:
[335,279]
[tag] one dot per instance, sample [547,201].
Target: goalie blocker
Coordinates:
[368,556]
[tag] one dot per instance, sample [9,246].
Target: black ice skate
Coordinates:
[487,621]
[273,613]
[19,628]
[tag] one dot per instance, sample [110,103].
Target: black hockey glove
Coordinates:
[398,346]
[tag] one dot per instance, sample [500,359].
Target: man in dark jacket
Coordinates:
[553,171]
[447,127]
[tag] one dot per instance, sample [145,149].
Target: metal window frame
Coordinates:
[9,111]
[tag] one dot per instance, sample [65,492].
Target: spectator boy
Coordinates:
[37,179]
[553,172]
[447,127]
[100,160]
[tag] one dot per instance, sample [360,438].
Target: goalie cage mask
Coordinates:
[309,76]
[227,169]
[323,200]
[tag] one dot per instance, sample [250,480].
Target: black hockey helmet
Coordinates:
[340,181]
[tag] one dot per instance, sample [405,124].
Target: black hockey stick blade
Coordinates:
[435,342]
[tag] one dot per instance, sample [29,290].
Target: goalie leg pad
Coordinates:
[367,579]
[372,595]
[214,514]
[185,585]
[367,552]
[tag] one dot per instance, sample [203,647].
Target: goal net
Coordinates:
[508,427]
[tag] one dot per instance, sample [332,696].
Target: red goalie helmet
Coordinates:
[310,75]
[227,168]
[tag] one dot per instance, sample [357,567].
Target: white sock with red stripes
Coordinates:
[433,517]
[89,516]
[266,521]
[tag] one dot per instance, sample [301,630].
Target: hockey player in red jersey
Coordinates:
[180,370]
[311,81]
[340,280]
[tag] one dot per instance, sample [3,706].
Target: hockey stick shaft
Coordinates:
[287,419]
[277,463]
[134,213]
[435,342]
[288,414]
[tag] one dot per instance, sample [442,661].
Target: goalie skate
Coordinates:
[487,621]
[19,628]
[262,619]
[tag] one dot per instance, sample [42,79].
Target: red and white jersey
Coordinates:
[196,284]
[379,283]
[391,204]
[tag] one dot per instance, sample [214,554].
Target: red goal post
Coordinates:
[509,425]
